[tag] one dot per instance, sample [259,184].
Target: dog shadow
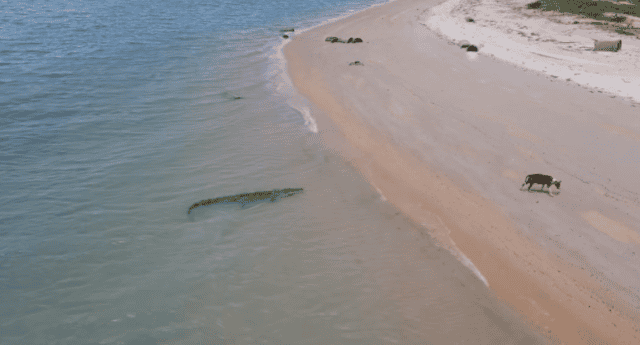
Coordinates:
[548,192]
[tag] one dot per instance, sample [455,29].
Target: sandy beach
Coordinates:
[448,136]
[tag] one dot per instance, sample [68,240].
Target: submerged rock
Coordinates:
[285,36]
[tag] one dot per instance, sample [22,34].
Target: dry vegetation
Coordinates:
[611,16]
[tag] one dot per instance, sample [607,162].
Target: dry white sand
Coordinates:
[448,137]
[545,42]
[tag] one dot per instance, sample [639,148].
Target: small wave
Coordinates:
[382,197]
[450,246]
[469,264]
[57,75]
[309,121]
[27,43]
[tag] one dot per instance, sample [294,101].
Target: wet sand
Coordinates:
[448,137]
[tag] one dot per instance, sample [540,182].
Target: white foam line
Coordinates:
[469,264]
[382,197]
[285,86]
[309,121]
[453,249]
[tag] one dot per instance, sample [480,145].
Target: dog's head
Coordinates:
[556,183]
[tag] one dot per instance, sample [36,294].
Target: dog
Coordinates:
[543,180]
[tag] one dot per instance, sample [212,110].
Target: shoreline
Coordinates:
[437,157]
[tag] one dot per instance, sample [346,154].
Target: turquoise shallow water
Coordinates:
[116,116]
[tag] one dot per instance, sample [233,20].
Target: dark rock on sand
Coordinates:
[285,36]
[334,39]
[464,44]
[472,48]
[287,30]
[356,63]
[470,20]
[534,5]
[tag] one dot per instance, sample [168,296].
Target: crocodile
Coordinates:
[246,198]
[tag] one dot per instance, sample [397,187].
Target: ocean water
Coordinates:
[116,116]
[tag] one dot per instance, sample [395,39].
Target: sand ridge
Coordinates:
[444,138]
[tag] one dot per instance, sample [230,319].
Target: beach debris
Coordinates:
[464,44]
[285,36]
[356,63]
[472,48]
[246,198]
[613,46]
[287,30]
